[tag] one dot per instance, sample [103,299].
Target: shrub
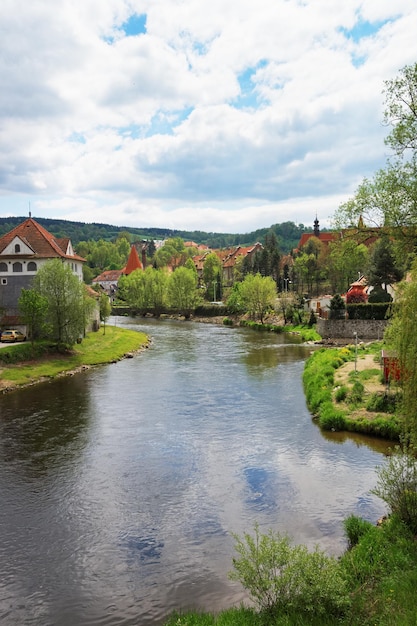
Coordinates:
[341,393]
[227,321]
[356,393]
[282,578]
[397,486]
[382,402]
[337,308]
[355,527]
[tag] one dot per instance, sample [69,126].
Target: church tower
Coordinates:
[316,230]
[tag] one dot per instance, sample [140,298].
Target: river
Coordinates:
[120,487]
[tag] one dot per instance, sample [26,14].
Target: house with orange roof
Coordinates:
[230,260]
[23,251]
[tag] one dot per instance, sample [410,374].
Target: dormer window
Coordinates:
[17,248]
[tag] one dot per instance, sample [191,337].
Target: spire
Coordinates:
[316,230]
[133,262]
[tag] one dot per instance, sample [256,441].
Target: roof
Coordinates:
[324,237]
[39,240]
[133,262]
[111,276]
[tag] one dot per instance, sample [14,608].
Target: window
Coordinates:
[17,267]
[32,267]
[17,248]
[4,281]
[3,267]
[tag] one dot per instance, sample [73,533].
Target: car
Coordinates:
[12,335]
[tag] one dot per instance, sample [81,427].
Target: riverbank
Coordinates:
[21,366]
[345,390]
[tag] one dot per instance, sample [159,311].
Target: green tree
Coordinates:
[68,305]
[212,270]
[33,307]
[156,289]
[258,294]
[105,309]
[182,290]
[401,110]
[347,260]
[133,290]
[401,334]
[383,270]
[390,198]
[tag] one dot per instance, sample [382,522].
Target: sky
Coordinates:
[221,116]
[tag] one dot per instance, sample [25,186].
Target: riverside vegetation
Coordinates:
[25,364]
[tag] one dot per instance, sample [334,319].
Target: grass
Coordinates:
[339,408]
[23,366]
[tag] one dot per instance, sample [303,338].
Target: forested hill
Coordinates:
[288,233]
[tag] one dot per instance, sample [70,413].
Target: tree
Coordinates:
[105,310]
[346,261]
[258,294]
[212,270]
[182,290]
[401,334]
[390,199]
[68,305]
[132,289]
[33,307]
[156,289]
[401,110]
[383,270]
[337,307]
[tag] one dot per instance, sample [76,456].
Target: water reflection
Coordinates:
[42,427]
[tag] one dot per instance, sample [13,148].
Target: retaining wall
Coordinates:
[346,329]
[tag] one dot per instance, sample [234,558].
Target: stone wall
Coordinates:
[346,329]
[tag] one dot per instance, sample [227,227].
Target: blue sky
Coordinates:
[224,117]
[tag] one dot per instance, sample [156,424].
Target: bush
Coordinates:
[282,578]
[337,308]
[356,393]
[355,527]
[397,486]
[227,321]
[382,402]
[341,393]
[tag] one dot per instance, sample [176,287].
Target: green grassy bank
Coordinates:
[359,403]
[22,364]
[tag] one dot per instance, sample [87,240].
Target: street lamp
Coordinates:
[356,348]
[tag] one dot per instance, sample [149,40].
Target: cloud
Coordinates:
[183,115]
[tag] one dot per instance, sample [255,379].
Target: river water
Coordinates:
[120,487]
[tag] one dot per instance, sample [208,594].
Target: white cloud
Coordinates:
[153,129]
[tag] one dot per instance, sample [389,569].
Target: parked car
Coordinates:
[12,336]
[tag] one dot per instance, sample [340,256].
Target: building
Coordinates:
[23,251]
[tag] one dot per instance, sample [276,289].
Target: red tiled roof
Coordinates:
[108,276]
[324,237]
[39,240]
[133,262]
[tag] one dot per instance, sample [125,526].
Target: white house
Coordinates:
[23,251]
